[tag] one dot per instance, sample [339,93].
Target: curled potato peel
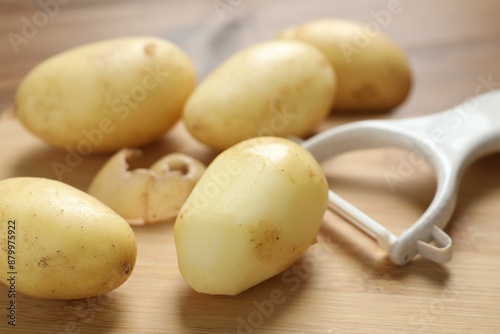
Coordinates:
[143,195]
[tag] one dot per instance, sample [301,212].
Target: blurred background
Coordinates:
[450,43]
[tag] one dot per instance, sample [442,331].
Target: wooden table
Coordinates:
[344,283]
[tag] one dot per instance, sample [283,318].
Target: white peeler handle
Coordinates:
[449,141]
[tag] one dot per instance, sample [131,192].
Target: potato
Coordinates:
[373,73]
[277,88]
[255,211]
[108,95]
[58,242]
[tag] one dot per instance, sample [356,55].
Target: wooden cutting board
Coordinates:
[344,283]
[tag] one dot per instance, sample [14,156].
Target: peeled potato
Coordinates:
[373,73]
[255,211]
[105,96]
[58,242]
[277,88]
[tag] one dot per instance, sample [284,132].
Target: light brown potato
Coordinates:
[277,88]
[373,73]
[108,95]
[60,242]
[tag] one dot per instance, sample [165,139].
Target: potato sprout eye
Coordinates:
[179,166]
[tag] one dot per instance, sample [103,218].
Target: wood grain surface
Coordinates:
[344,283]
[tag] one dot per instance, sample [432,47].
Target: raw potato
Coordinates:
[373,73]
[66,244]
[144,196]
[108,95]
[278,88]
[255,211]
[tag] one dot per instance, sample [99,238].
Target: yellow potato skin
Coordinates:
[68,245]
[373,73]
[255,211]
[276,88]
[112,94]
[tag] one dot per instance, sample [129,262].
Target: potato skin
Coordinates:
[254,212]
[68,245]
[277,88]
[373,73]
[107,95]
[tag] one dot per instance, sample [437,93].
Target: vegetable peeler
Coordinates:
[449,141]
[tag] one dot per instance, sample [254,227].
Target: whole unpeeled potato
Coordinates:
[107,95]
[373,73]
[255,210]
[58,242]
[277,88]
